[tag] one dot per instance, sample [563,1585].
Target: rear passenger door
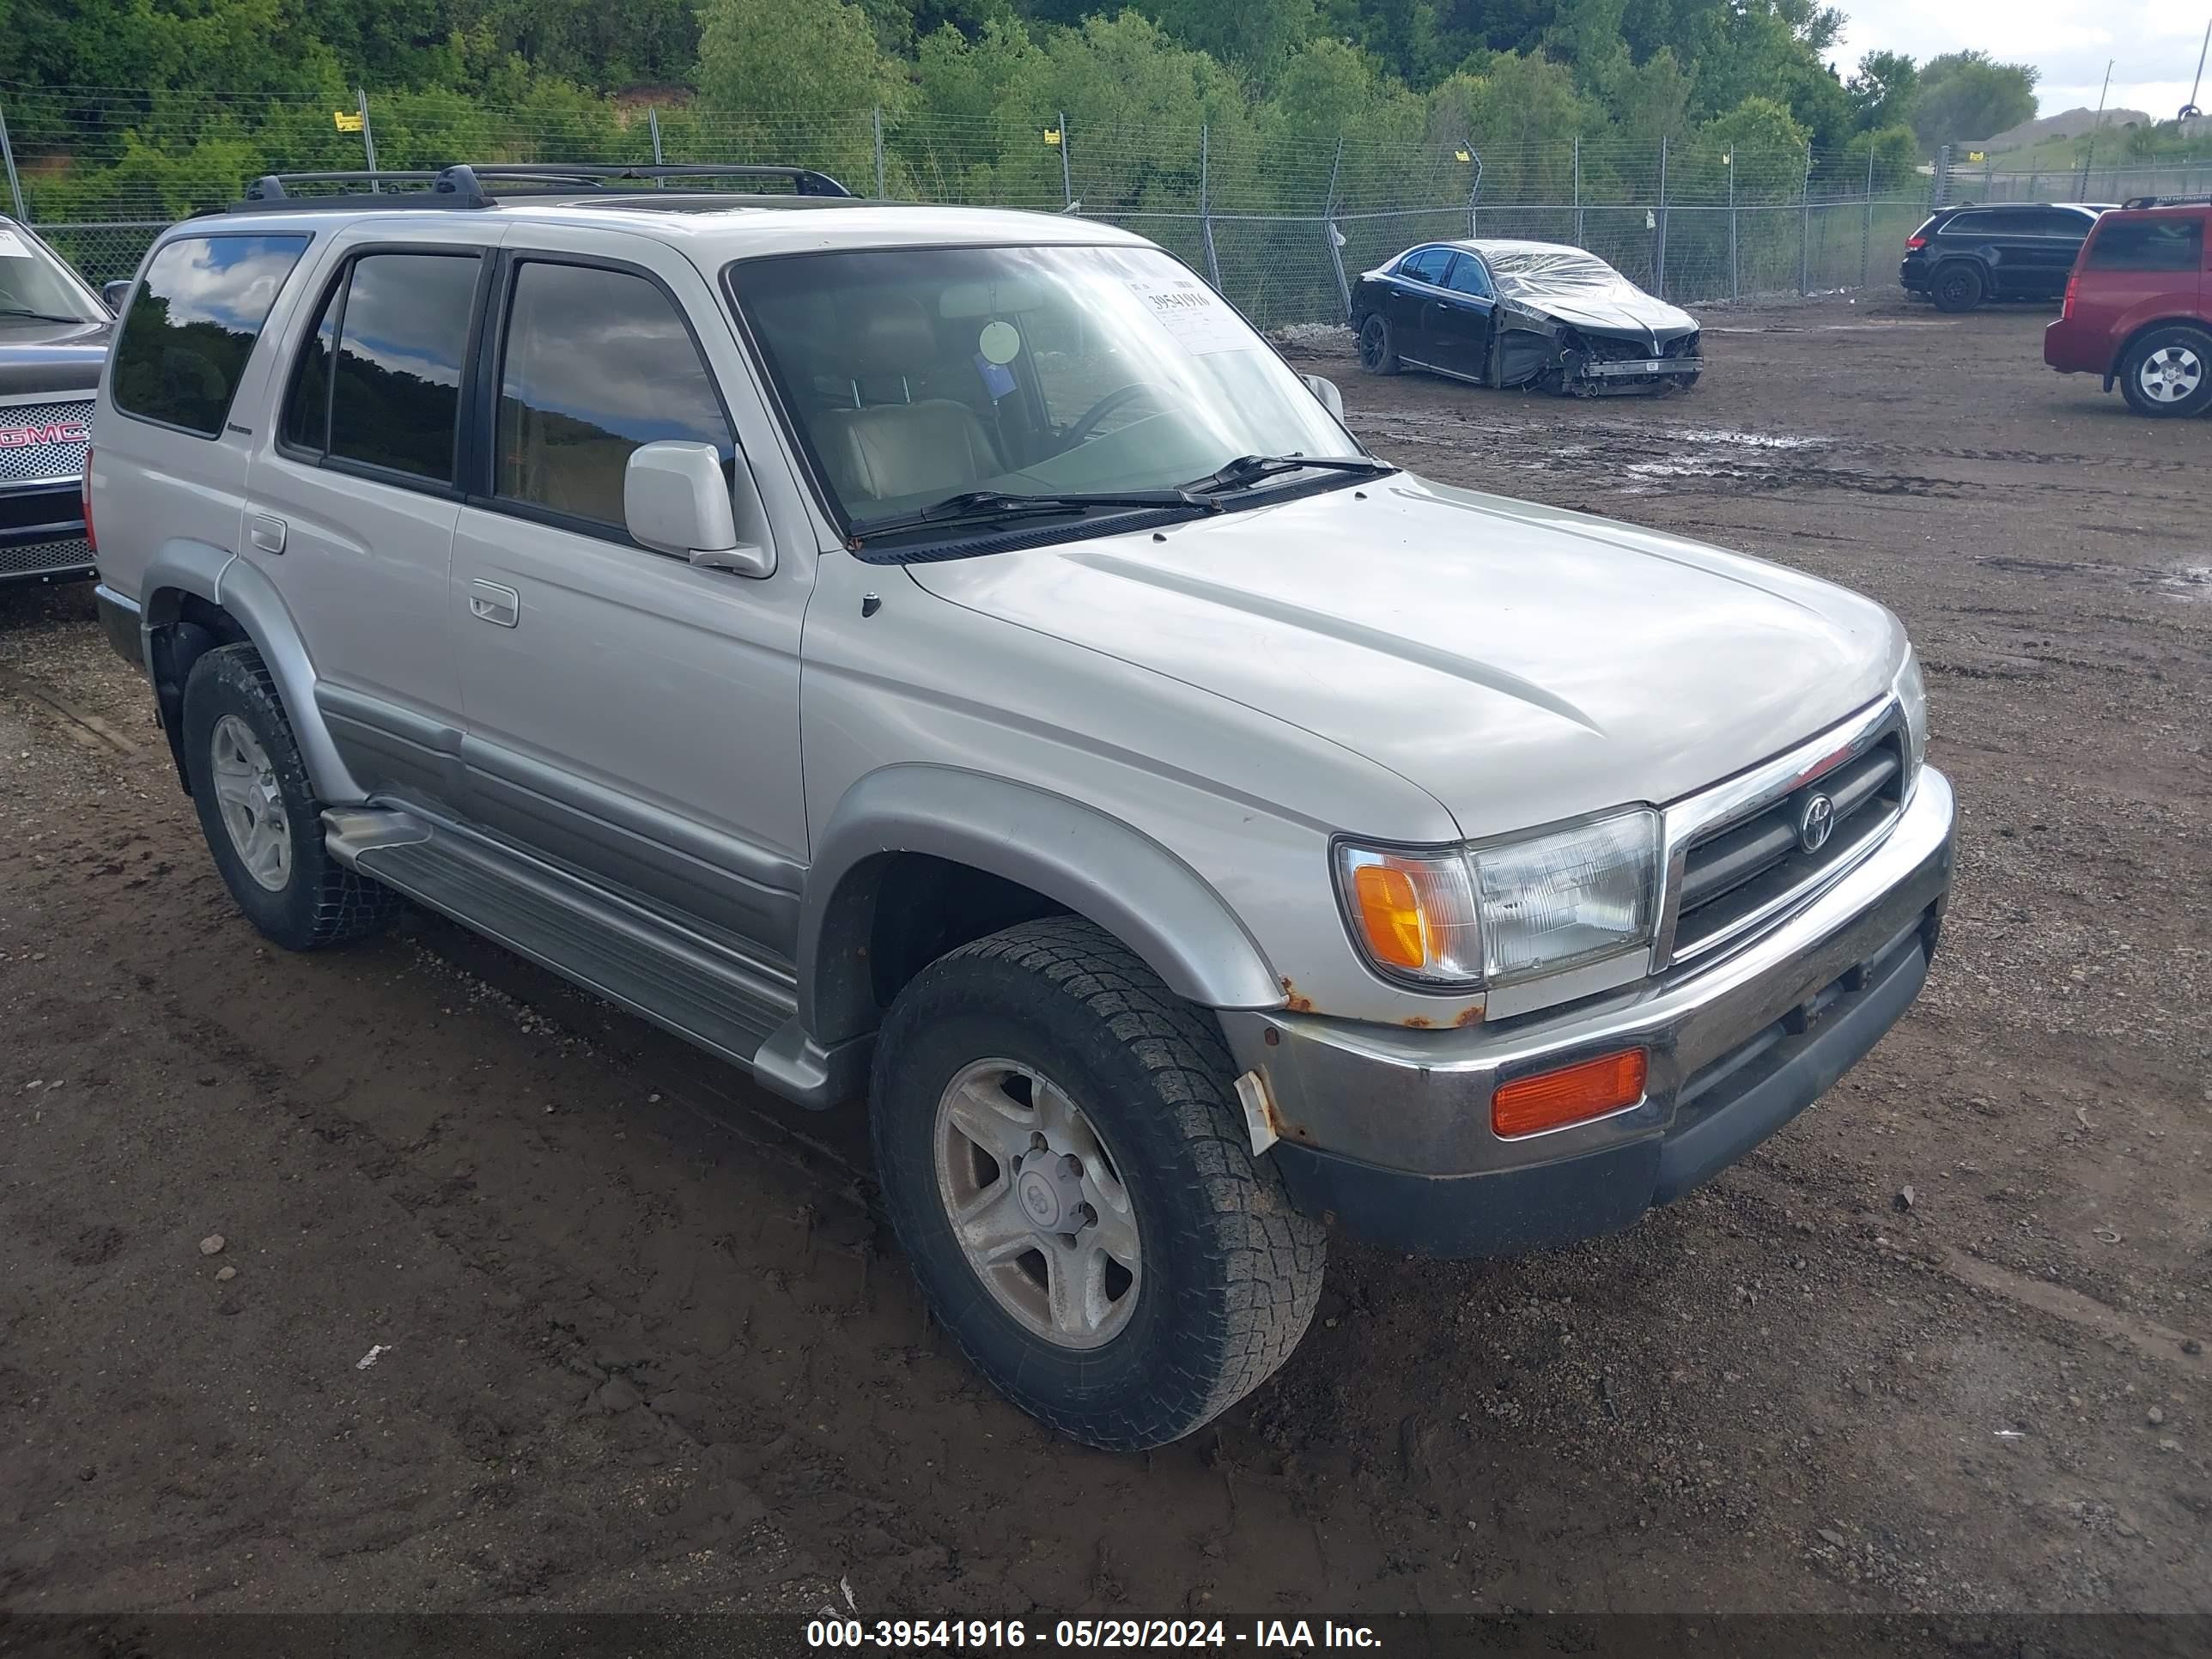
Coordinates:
[2050,238]
[1458,320]
[629,716]
[1420,277]
[353,495]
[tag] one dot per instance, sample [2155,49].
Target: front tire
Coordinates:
[2168,372]
[1044,1077]
[259,813]
[1957,287]
[1378,345]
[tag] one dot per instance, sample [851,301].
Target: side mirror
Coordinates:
[676,501]
[1331,398]
[114,294]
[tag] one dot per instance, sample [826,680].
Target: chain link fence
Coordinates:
[1281,225]
[1960,181]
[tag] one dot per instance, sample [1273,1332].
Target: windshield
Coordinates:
[919,375]
[33,281]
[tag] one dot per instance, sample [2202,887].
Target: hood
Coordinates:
[1521,664]
[1621,308]
[60,357]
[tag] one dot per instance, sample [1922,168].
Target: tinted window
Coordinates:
[402,331]
[1427,266]
[2062,221]
[1969,224]
[598,362]
[2147,245]
[1467,276]
[191,328]
[306,420]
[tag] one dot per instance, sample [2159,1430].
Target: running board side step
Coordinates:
[742,1011]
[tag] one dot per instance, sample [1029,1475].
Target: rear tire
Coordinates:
[1378,345]
[1045,1072]
[1957,287]
[2168,372]
[259,813]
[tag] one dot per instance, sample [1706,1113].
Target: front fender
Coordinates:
[182,567]
[1094,864]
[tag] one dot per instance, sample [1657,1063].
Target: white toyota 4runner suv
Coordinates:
[947,656]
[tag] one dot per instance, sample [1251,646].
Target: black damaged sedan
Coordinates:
[1505,313]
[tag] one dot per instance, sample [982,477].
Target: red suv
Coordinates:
[2139,307]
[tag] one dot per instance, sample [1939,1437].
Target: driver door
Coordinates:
[629,715]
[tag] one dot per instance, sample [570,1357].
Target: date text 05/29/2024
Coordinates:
[951,1635]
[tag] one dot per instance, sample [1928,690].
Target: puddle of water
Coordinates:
[2188,582]
[1745,440]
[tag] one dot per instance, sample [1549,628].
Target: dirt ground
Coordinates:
[519,1304]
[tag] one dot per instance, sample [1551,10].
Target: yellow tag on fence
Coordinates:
[1052,135]
[346,120]
[1462,155]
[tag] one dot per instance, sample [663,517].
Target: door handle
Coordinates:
[266,533]
[489,602]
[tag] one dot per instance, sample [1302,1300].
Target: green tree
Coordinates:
[1883,90]
[1895,153]
[1969,94]
[1257,37]
[797,79]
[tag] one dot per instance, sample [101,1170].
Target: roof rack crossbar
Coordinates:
[461,186]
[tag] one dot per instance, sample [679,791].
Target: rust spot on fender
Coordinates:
[1298,1005]
[1418,1022]
[1471,1015]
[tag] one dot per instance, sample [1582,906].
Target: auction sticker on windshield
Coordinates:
[11,245]
[1194,313]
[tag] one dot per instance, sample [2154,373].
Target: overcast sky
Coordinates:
[2153,42]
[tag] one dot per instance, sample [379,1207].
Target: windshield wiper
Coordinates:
[1002,504]
[39,316]
[1247,470]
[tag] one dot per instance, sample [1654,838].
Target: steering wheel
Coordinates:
[1081,431]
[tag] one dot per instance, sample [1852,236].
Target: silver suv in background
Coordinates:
[946,655]
[53,337]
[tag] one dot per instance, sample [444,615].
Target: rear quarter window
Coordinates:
[193,324]
[2172,243]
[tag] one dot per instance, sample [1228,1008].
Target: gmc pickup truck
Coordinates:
[53,338]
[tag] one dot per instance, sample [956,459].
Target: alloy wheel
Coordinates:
[1036,1204]
[252,803]
[2170,374]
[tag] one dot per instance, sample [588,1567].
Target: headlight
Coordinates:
[1911,694]
[1507,911]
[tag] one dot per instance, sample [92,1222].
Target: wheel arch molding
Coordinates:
[1091,863]
[191,589]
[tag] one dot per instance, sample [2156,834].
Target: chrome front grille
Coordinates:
[39,441]
[1748,853]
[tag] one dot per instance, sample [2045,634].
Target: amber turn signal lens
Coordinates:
[1572,1094]
[1390,916]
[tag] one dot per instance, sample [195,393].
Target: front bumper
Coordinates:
[42,534]
[1388,1131]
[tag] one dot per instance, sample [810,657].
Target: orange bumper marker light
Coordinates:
[1571,1094]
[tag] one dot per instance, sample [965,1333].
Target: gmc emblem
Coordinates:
[37,437]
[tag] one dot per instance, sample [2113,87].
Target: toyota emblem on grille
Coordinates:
[1816,823]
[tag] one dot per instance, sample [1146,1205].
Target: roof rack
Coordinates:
[462,186]
[2166,201]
